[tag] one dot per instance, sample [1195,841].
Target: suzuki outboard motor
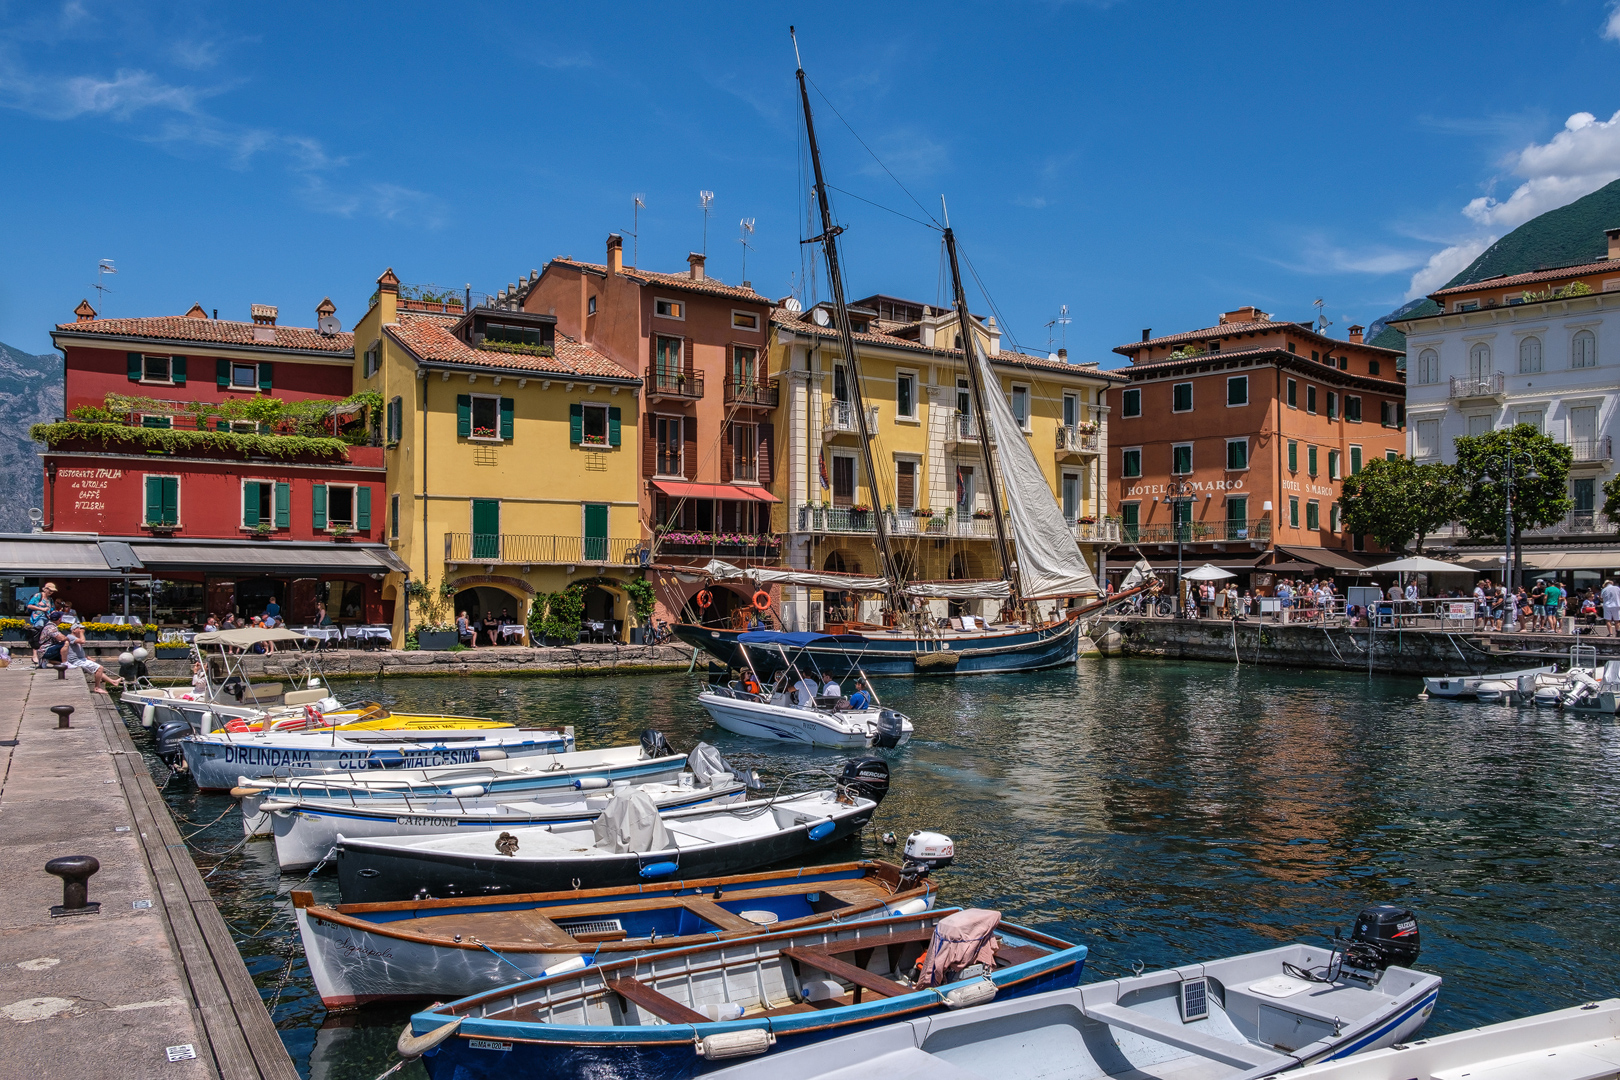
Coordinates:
[167,739]
[1385,936]
[890,727]
[866,777]
[653,744]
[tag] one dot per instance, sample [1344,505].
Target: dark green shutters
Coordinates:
[613,425]
[250,504]
[1293,456]
[486,527]
[283,505]
[265,368]
[162,500]
[362,510]
[177,370]
[318,506]
[222,374]
[506,417]
[463,415]
[396,419]
[576,423]
[134,367]
[596,530]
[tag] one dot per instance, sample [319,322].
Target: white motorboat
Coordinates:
[1460,686]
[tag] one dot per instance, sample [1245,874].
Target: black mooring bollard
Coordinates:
[62,713]
[75,871]
[61,672]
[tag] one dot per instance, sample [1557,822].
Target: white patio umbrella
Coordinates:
[1417,564]
[1207,572]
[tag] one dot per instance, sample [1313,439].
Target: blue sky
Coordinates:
[1148,165]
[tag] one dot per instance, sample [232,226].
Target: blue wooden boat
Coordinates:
[876,651]
[680,1013]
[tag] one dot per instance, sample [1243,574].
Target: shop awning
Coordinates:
[682,489]
[1330,558]
[67,555]
[1239,564]
[266,557]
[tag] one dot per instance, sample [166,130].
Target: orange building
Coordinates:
[1234,440]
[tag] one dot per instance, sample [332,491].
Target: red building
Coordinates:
[231,457]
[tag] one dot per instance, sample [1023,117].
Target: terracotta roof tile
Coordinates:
[1534,276]
[428,338]
[215,332]
[1234,329]
[673,281]
[1303,364]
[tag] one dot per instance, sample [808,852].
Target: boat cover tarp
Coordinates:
[630,823]
[798,639]
[961,590]
[1049,562]
[707,765]
[965,938]
[1139,575]
[247,636]
[724,571]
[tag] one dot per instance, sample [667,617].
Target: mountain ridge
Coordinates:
[30,393]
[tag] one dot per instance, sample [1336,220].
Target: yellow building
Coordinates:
[511,461]
[930,483]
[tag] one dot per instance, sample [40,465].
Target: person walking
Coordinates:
[1538,605]
[1611,605]
[1552,601]
[39,610]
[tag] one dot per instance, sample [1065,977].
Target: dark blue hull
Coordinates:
[877,653]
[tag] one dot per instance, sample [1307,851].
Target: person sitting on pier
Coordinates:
[73,656]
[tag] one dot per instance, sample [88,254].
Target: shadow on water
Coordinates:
[1160,813]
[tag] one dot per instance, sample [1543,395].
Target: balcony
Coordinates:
[1255,530]
[841,420]
[681,384]
[1594,451]
[527,549]
[963,429]
[718,545]
[1466,388]
[1100,532]
[756,392]
[1076,440]
[843,519]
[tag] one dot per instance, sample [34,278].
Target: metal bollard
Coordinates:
[75,871]
[62,713]
[61,672]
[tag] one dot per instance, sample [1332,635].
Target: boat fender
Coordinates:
[491,755]
[148,711]
[735,1044]
[590,783]
[411,1047]
[915,906]
[573,963]
[659,869]
[468,791]
[245,792]
[207,721]
[823,829]
[977,992]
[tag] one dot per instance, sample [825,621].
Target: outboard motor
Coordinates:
[654,745]
[130,669]
[890,728]
[866,777]
[708,767]
[925,852]
[1385,936]
[235,687]
[167,739]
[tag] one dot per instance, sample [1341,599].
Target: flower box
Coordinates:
[13,635]
[435,640]
[173,652]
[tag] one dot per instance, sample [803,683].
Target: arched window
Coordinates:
[1529,356]
[1479,362]
[1428,366]
[1583,350]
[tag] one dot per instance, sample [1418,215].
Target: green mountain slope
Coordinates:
[30,393]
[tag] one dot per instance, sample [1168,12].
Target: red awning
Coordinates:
[680,489]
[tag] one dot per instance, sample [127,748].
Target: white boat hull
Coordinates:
[850,729]
[1458,686]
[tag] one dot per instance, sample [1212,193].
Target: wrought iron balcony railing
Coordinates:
[528,549]
[674,383]
[1464,387]
[760,392]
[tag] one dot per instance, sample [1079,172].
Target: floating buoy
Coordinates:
[704,598]
[762,600]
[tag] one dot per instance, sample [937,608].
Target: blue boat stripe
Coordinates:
[1385,1029]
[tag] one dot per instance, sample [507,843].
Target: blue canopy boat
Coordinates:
[999,649]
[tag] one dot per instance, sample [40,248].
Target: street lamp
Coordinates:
[1179,493]
[1507,466]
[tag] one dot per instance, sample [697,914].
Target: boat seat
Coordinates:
[1008,955]
[645,997]
[304,697]
[813,957]
[711,912]
[1183,1036]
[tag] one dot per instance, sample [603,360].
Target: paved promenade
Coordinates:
[109,994]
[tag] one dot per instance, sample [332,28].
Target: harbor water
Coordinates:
[1160,813]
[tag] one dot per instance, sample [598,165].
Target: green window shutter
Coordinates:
[576,423]
[506,417]
[222,374]
[613,425]
[222,425]
[396,419]
[134,367]
[283,505]
[171,500]
[362,513]
[265,368]
[154,500]
[318,516]
[177,370]
[1355,460]
[250,503]
[463,415]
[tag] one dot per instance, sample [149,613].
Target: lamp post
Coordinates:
[1507,467]
[1179,493]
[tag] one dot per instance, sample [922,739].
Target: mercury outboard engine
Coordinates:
[924,852]
[1385,936]
[167,739]
[890,727]
[654,745]
[867,777]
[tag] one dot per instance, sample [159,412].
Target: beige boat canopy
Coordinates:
[244,637]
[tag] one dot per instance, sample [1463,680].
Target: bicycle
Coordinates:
[658,633]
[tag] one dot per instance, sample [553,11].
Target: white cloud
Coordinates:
[1445,265]
[1575,162]
[1611,25]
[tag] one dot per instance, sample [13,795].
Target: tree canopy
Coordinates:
[1540,498]
[1397,501]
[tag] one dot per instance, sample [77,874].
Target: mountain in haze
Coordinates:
[30,393]
[1563,237]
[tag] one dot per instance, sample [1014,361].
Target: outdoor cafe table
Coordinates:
[368,633]
[511,630]
[322,634]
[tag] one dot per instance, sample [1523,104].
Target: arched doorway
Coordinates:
[839,606]
[598,622]
[482,600]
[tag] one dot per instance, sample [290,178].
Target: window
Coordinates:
[1182,397]
[1400,414]
[1019,400]
[1481,424]
[1293,456]
[1316,355]
[372,360]
[744,320]
[1583,350]
[1428,367]
[1529,355]
[1293,394]
[964,400]
[154,420]
[1533,417]
[905,485]
[339,505]
[1181,459]
[1237,390]
[1333,518]
[1293,511]
[1237,454]
[1130,520]
[593,425]
[1583,493]
[1071,497]
[1426,438]
[244,376]
[670,309]
[396,419]
[1332,405]
[486,528]
[1479,361]
[157,369]
[1291,347]
[670,446]
[1130,462]
[1583,433]
[1071,410]
[1310,399]
[964,489]
[905,395]
[744,370]
[1237,517]
[512,334]
[843,480]
[590,306]
[1130,403]
[1313,515]
[1386,413]
[265,502]
[1310,460]
[1466,305]
[745,452]
[1352,409]
[1333,464]
[1355,460]
[486,417]
[162,501]
[393,517]
[1372,367]
[1344,363]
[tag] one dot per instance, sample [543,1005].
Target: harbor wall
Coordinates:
[557,662]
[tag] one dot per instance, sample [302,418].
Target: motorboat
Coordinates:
[1578,1043]
[360,953]
[629,842]
[681,1012]
[782,695]
[1239,1018]
[306,830]
[1467,686]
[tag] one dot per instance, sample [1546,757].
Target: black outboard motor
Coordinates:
[130,669]
[866,777]
[167,739]
[235,687]
[653,744]
[1385,936]
[890,727]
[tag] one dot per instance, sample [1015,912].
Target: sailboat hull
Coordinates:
[993,652]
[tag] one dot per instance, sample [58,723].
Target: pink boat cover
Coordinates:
[960,940]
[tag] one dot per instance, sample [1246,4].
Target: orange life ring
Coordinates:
[762,600]
[704,598]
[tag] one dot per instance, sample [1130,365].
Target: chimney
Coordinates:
[1355,335]
[1614,242]
[1063,355]
[388,297]
[615,253]
[196,312]
[264,314]
[84,312]
[325,308]
[1147,333]
[696,262]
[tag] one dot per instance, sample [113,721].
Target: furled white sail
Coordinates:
[720,570]
[1049,563]
[961,590]
[1140,574]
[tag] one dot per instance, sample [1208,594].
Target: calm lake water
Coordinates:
[1159,813]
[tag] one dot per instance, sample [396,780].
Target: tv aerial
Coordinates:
[705,200]
[745,229]
[1322,321]
[1062,322]
[640,204]
[103,268]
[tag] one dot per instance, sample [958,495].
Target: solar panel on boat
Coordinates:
[1194,1000]
[591,926]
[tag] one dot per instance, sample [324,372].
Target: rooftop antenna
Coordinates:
[103,268]
[705,200]
[1062,321]
[745,229]
[1322,321]
[635,227]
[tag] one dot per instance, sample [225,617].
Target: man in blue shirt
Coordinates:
[272,610]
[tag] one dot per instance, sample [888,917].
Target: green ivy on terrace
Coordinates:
[517,347]
[171,440]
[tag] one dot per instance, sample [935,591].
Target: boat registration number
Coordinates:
[488,1044]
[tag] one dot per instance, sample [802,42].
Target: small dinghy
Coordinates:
[1460,686]
[629,842]
[445,949]
[675,1014]
[1241,1018]
[1580,1043]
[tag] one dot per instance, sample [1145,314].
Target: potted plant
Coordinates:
[342,534]
[434,632]
[263,531]
[436,637]
[13,630]
[982,515]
